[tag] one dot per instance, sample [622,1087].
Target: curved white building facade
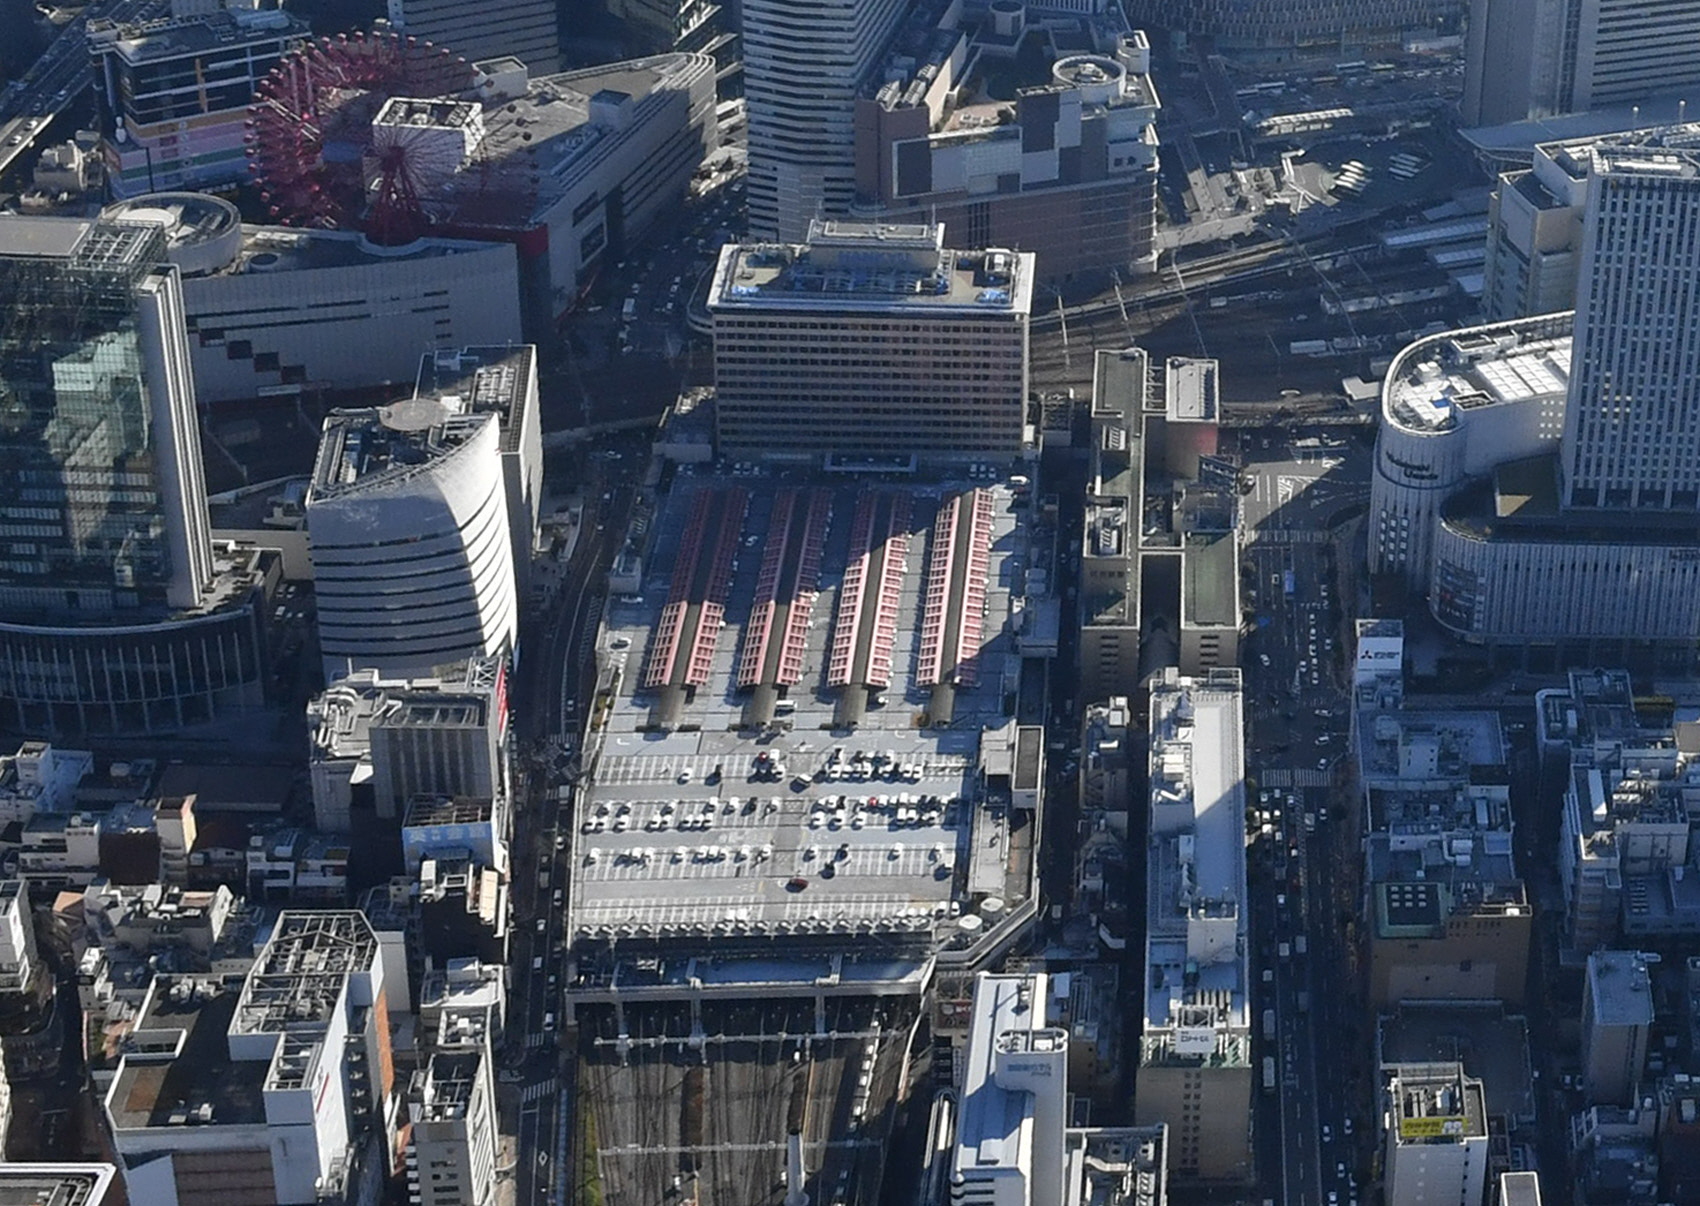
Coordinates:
[1453,407]
[408,524]
[1517,584]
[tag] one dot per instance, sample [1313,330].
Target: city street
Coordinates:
[557,677]
[1303,492]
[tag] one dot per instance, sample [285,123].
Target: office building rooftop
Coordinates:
[875,267]
[1410,750]
[1486,366]
[303,972]
[341,718]
[450,1078]
[1436,1103]
[1191,390]
[995,1128]
[69,1184]
[1492,1046]
[178,1070]
[362,449]
[1119,1166]
[173,37]
[1197,1000]
[483,380]
[1619,988]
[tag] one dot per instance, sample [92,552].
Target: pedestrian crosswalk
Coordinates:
[538,1092]
[537,1039]
[1301,777]
[1285,536]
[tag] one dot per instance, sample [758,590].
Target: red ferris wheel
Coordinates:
[321,157]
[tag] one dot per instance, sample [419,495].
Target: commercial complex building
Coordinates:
[609,151]
[1454,407]
[175,92]
[870,339]
[1585,538]
[280,1088]
[524,29]
[1436,1136]
[1195,1062]
[273,310]
[1064,166]
[1617,1022]
[566,168]
[1535,58]
[1449,915]
[116,610]
[1467,503]
[1292,28]
[1159,577]
[805,62]
[412,555]
[379,743]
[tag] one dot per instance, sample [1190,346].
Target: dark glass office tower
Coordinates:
[115,612]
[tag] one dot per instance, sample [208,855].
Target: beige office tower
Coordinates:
[870,339]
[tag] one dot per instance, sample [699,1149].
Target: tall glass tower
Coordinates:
[116,613]
[102,502]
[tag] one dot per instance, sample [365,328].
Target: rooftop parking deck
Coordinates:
[717,819]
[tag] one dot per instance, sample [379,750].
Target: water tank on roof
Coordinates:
[1009,18]
[1098,79]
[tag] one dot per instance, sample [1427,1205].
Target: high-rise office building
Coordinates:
[805,61]
[870,339]
[116,610]
[175,92]
[1534,58]
[408,520]
[1632,417]
[490,29]
[1534,243]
